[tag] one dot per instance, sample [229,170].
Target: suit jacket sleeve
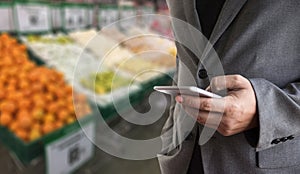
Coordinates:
[278,111]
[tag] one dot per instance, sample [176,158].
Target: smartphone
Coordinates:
[185,90]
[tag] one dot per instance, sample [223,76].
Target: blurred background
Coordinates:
[53,87]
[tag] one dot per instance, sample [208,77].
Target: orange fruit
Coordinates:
[11,88]
[27,92]
[21,133]
[71,108]
[51,88]
[37,126]
[63,115]
[52,108]
[37,87]
[25,122]
[69,90]
[43,79]
[40,103]
[49,118]
[5,119]
[12,82]
[49,97]
[38,114]
[47,128]
[13,126]
[23,113]
[60,93]
[25,103]
[22,47]
[8,106]
[24,84]
[58,124]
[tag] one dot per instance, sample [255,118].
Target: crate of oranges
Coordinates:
[36,104]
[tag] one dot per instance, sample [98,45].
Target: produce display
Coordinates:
[60,39]
[139,69]
[114,46]
[102,46]
[163,51]
[34,100]
[90,59]
[104,82]
[62,53]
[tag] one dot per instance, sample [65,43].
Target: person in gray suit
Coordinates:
[258,45]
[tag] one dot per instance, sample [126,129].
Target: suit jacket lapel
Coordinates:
[191,13]
[228,13]
[196,42]
[230,10]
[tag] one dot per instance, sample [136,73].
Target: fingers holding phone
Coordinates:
[237,108]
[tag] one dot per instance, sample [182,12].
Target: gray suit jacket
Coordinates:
[259,39]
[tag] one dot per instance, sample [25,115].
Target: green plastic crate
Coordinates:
[26,152]
[109,111]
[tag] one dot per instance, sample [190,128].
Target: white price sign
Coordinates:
[6,23]
[127,13]
[108,16]
[75,18]
[148,10]
[33,17]
[90,13]
[70,152]
[56,17]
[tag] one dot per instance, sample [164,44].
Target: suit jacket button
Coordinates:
[290,137]
[284,139]
[202,74]
[275,141]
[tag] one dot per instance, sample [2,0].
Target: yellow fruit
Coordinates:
[38,114]
[34,134]
[49,118]
[70,120]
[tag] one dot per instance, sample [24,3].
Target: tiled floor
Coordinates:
[102,162]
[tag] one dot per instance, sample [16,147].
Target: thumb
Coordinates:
[229,82]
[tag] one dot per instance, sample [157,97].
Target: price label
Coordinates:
[56,17]
[90,13]
[70,152]
[108,16]
[125,15]
[75,18]
[148,15]
[33,17]
[6,23]
[148,10]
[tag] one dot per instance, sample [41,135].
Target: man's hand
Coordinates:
[237,109]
